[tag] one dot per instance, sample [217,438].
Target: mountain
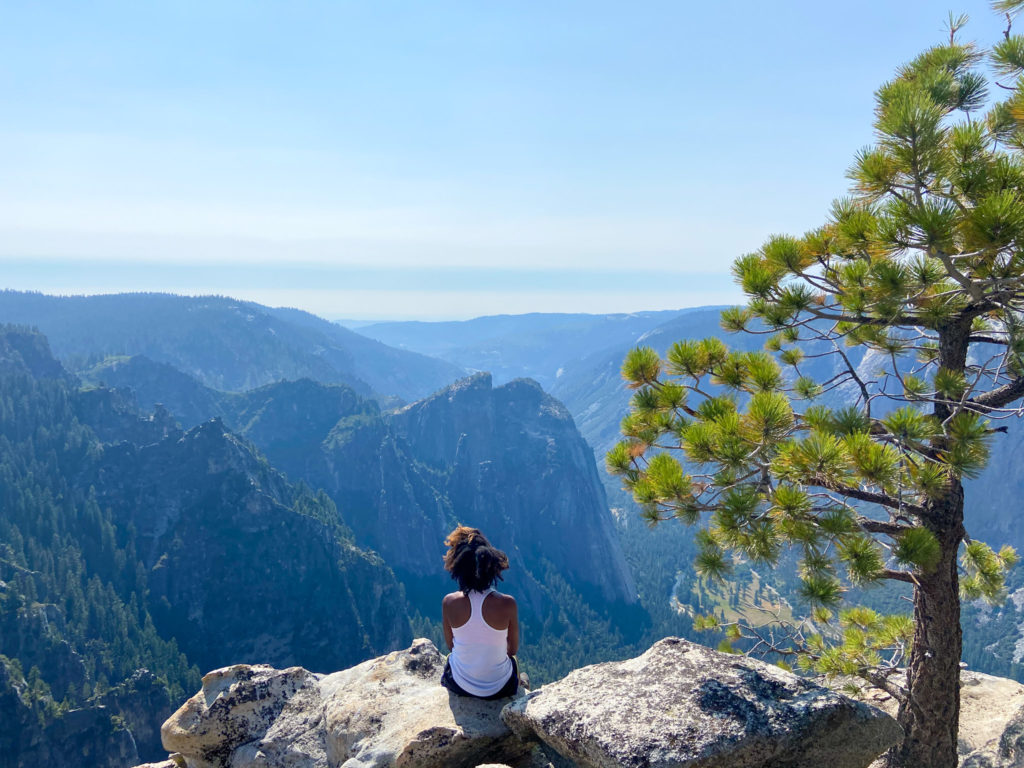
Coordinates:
[506,459]
[224,343]
[227,543]
[591,387]
[131,551]
[516,462]
[536,346]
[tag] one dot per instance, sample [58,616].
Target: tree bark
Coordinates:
[930,716]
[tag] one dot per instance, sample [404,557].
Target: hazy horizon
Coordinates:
[432,162]
[356,322]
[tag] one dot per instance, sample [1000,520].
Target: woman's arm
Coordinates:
[513,629]
[449,638]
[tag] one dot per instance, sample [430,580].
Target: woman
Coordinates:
[481,626]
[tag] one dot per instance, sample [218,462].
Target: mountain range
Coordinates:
[591,387]
[300,500]
[538,345]
[133,553]
[224,343]
[178,469]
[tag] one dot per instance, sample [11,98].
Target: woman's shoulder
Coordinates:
[504,599]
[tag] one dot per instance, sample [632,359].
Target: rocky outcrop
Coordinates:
[393,711]
[241,705]
[228,543]
[389,711]
[36,638]
[518,466]
[1007,752]
[24,351]
[991,719]
[143,703]
[32,736]
[679,704]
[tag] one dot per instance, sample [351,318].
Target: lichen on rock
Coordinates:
[681,705]
[389,711]
[678,705]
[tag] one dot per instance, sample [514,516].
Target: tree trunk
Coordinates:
[931,715]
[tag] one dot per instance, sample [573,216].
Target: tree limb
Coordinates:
[878,526]
[899,576]
[882,499]
[997,398]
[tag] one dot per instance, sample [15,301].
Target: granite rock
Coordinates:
[392,711]
[388,712]
[683,705]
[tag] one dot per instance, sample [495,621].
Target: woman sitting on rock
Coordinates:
[481,625]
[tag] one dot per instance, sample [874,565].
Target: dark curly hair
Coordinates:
[472,561]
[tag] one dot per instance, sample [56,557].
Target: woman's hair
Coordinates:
[472,561]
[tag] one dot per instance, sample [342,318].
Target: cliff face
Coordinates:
[227,548]
[124,541]
[29,736]
[518,469]
[508,460]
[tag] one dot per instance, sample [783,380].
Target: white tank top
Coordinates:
[479,658]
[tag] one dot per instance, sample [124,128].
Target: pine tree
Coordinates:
[894,344]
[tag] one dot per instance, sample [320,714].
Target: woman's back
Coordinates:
[479,660]
[481,626]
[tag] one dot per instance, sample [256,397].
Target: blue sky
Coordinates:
[431,160]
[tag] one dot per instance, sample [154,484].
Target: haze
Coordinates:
[431,160]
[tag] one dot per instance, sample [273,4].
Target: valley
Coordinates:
[190,483]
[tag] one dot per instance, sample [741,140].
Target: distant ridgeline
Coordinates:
[221,482]
[222,342]
[506,459]
[585,376]
[128,543]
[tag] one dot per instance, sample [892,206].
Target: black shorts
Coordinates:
[509,689]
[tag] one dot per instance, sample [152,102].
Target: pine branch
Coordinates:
[898,576]
[997,398]
[978,338]
[878,526]
[956,274]
[882,499]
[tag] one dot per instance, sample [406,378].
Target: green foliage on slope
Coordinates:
[60,549]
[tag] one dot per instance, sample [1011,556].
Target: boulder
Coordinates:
[387,712]
[240,707]
[991,721]
[991,718]
[392,711]
[683,705]
[988,708]
[1008,752]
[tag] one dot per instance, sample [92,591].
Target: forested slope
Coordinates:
[507,459]
[225,343]
[127,545]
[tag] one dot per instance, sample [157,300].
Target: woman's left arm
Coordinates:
[449,638]
[513,629]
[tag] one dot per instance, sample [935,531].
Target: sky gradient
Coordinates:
[431,160]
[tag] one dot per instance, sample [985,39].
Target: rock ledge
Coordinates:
[677,705]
